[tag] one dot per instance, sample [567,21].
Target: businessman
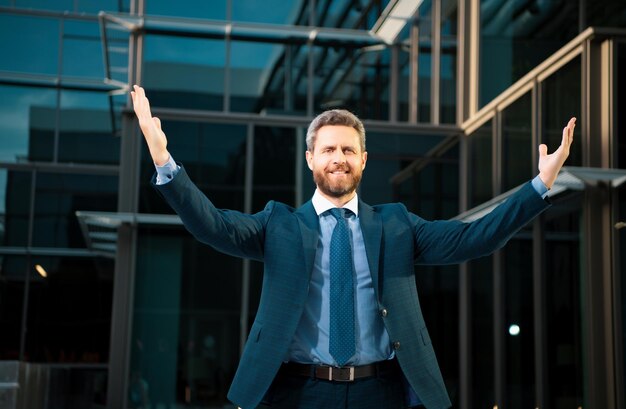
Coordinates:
[339,323]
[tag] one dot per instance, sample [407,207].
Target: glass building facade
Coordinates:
[107,301]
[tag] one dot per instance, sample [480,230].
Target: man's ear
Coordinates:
[309,159]
[364,159]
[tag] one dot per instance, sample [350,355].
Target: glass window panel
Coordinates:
[389,154]
[82,49]
[482,329]
[252,76]
[12,273]
[32,43]
[69,309]
[561,100]
[269,11]
[57,198]
[274,172]
[516,36]
[185,337]
[214,156]
[448,61]
[77,386]
[86,134]
[424,64]
[519,324]
[184,72]
[214,9]
[621,263]
[95,6]
[605,13]
[19,123]
[61,5]
[517,163]
[15,204]
[563,308]
[480,165]
[621,102]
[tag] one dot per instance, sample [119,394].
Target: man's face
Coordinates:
[337,160]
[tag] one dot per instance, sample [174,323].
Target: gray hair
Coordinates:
[334,117]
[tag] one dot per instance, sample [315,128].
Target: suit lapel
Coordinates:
[309,229]
[372,228]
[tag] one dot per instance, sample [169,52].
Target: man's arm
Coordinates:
[448,242]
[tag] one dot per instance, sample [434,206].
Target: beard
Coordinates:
[336,188]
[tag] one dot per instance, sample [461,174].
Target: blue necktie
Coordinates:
[342,344]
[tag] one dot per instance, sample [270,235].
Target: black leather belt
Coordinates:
[339,374]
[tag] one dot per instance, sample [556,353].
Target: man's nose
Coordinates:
[339,156]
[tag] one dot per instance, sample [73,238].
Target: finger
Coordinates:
[543,150]
[157,121]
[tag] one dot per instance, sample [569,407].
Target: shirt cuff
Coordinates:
[540,187]
[166,172]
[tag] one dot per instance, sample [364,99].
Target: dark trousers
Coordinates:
[383,391]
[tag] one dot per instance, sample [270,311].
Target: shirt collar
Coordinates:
[321,204]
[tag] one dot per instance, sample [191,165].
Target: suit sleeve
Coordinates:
[228,231]
[453,241]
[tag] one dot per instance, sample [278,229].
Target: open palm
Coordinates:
[150,127]
[550,165]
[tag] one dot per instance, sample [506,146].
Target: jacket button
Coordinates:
[396,345]
[383,312]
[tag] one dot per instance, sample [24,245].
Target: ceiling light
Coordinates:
[42,271]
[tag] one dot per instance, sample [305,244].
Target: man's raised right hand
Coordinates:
[150,127]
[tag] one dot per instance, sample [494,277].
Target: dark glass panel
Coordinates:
[519,323]
[72,387]
[389,154]
[621,263]
[69,309]
[480,165]
[214,9]
[184,72]
[448,61]
[605,13]
[563,309]
[516,36]
[85,130]
[268,11]
[517,164]
[82,49]
[621,102]
[20,125]
[12,273]
[561,100]
[214,156]
[274,175]
[95,6]
[15,203]
[482,330]
[185,342]
[60,5]
[31,42]
[353,79]
[57,198]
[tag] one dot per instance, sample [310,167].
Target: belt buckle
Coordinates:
[340,372]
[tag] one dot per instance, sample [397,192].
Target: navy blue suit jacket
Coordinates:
[285,240]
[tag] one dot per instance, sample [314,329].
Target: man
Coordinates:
[339,323]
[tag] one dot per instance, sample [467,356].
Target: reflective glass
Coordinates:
[448,61]
[69,309]
[519,324]
[18,125]
[482,330]
[15,204]
[184,72]
[388,154]
[95,6]
[480,165]
[61,5]
[516,36]
[185,336]
[517,163]
[76,386]
[561,100]
[12,273]
[563,303]
[86,132]
[621,198]
[424,63]
[352,79]
[268,11]
[57,198]
[214,156]
[605,13]
[32,43]
[257,76]
[214,9]
[82,49]
[274,175]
